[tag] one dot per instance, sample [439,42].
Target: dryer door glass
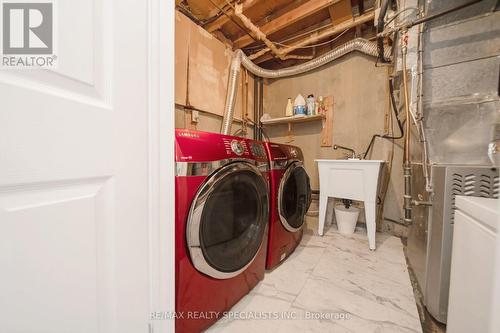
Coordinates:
[234,219]
[295,197]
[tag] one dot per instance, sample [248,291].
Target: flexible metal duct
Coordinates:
[232,90]
[239,58]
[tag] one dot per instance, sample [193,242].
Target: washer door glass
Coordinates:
[234,218]
[295,197]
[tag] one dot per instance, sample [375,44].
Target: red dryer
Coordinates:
[290,194]
[222,214]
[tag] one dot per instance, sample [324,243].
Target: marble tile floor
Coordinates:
[334,284]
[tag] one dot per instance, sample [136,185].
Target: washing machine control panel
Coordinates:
[257,149]
[244,148]
[237,147]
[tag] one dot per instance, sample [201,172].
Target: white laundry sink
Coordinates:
[350,179]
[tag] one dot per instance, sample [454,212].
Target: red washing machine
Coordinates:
[290,193]
[222,215]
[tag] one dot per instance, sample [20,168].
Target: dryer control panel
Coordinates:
[281,152]
[197,146]
[258,149]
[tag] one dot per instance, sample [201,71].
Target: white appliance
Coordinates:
[472,264]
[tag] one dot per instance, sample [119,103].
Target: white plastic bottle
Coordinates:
[289,108]
[299,107]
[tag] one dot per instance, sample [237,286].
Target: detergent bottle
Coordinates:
[299,107]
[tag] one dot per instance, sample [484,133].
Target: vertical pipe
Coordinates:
[407,157]
[420,112]
[380,27]
[255,108]
[261,107]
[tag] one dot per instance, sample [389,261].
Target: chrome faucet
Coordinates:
[353,153]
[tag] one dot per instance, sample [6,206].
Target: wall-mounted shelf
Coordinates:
[326,122]
[294,119]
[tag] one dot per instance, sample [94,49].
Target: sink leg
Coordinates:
[323,201]
[370,213]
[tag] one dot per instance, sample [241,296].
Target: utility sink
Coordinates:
[350,179]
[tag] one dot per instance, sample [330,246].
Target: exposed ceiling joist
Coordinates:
[321,35]
[334,30]
[259,35]
[341,11]
[290,29]
[287,19]
[223,19]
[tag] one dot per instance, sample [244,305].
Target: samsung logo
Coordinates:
[188,134]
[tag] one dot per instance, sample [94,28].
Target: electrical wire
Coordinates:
[400,125]
[399,13]
[261,46]
[380,27]
[385,185]
[266,137]
[316,45]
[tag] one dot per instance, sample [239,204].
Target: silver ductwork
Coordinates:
[232,90]
[239,58]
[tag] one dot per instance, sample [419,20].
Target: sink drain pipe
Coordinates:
[239,58]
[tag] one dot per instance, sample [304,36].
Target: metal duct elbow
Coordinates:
[239,58]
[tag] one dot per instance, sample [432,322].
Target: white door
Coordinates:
[79,172]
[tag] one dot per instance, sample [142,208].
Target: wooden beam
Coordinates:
[256,58]
[321,35]
[340,12]
[220,36]
[223,19]
[264,58]
[255,31]
[334,30]
[294,15]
